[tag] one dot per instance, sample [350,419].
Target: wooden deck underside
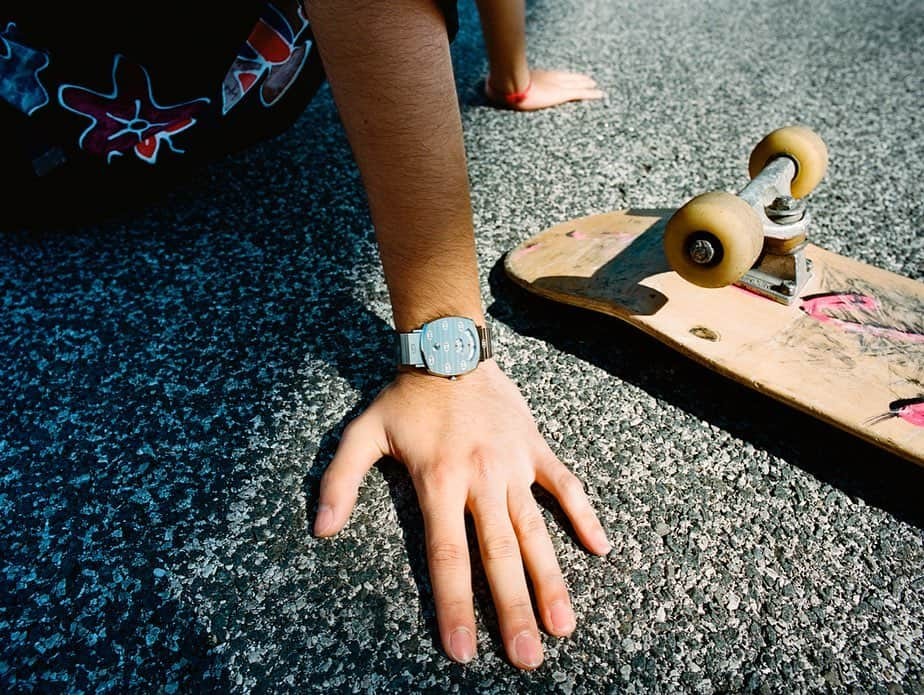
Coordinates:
[850,351]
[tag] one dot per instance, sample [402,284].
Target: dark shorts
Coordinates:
[94,94]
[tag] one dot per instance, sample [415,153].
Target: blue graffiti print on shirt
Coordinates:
[20,66]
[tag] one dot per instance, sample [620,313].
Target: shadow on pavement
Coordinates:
[853,466]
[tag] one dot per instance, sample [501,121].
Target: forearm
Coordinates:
[390,71]
[503,25]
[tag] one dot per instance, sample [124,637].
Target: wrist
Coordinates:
[412,375]
[508,87]
[508,76]
[425,376]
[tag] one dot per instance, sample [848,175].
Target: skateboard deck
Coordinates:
[849,350]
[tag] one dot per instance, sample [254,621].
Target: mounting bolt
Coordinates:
[702,252]
[786,209]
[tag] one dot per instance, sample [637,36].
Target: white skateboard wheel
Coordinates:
[714,239]
[804,146]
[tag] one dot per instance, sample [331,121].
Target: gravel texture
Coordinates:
[175,380]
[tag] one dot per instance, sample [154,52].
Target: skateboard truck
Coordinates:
[756,239]
[781,270]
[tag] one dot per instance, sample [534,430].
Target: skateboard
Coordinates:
[732,282]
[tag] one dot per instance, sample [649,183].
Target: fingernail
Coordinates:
[527,649]
[602,544]
[562,617]
[324,520]
[462,645]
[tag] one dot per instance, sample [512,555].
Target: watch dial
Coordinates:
[450,346]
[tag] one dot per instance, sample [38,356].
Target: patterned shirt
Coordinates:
[95,87]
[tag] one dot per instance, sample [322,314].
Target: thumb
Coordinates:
[356,454]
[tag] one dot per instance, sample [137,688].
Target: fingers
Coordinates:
[545,96]
[450,571]
[539,556]
[555,477]
[357,452]
[572,86]
[583,94]
[564,79]
[500,555]
[573,79]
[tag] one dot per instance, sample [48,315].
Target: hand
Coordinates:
[547,88]
[470,444]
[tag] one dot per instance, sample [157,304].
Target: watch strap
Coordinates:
[409,349]
[487,344]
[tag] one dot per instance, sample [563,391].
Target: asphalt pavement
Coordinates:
[175,380]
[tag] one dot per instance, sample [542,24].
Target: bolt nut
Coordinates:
[701,251]
[786,209]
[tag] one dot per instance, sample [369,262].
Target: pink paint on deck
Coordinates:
[526,249]
[817,308]
[613,233]
[913,413]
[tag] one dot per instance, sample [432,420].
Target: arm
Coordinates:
[510,81]
[503,26]
[388,68]
[470,444]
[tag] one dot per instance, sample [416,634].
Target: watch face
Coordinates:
[450,346]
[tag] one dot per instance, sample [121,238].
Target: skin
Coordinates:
[471,445]
[503,25]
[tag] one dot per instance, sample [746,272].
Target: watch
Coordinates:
[449,346]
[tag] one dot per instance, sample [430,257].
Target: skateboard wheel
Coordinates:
[714,239]
[804,146]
